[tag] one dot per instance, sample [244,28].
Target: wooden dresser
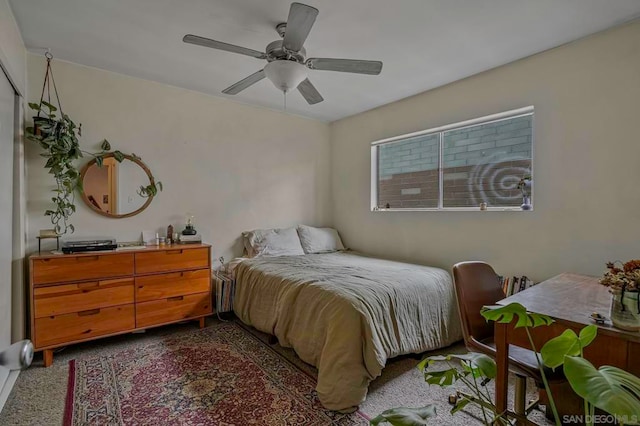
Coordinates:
[80,297]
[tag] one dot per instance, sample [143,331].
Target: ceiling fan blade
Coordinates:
[244,83]
[299,23]
[345,65]
[214,44]
[309,92]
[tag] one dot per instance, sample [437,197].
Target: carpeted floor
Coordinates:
[38,397]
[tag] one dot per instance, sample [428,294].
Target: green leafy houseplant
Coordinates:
[610,389]
[58,137]
[623,280]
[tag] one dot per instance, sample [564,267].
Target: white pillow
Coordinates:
[319,240]
[272,242]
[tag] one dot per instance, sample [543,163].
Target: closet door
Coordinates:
[7,106]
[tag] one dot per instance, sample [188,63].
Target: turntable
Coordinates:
[88,245]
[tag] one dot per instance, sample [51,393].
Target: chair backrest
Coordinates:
[476,285]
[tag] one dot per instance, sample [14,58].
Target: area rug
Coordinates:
[220,375]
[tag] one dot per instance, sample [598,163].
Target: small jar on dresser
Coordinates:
[86,296]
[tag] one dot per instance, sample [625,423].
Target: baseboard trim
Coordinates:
[6,388]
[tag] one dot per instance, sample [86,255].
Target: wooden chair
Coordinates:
[478,285]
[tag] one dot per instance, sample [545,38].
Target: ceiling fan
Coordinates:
[287,63]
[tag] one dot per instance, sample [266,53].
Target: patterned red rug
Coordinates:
[221,375]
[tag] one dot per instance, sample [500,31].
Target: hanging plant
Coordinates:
[57,134]
[59,139]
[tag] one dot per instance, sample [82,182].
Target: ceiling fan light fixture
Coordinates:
[285,75]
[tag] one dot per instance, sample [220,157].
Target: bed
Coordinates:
[347,314]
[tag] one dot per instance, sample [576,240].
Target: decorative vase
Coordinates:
[526,203]
[625,310]
[189,230]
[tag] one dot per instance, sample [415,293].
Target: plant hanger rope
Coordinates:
[48,81]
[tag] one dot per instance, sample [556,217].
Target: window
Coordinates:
[455,167]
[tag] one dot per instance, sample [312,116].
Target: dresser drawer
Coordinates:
[162,286]
[83,325]
[172,309]
[68,298]
[172,260]
[81,267]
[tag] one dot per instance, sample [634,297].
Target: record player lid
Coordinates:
[84,243]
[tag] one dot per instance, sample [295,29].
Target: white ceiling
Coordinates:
[423,43]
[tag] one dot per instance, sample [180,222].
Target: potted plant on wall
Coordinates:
[59,138]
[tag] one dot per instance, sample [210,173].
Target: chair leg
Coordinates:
[520,401]
[512,417]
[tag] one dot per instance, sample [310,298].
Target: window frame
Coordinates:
[511,114]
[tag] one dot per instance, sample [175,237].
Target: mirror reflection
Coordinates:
[112,190]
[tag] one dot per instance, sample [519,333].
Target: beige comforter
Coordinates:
[347,314]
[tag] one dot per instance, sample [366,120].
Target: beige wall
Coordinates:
[586,165]
[234,167]
[13,55]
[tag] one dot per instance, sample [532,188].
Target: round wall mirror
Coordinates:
[112,189]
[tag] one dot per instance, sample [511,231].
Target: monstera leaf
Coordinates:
[506,314]
[404,416]
[567,344]
[609,388]
[479,365]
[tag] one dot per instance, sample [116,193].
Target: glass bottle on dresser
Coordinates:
[170,234]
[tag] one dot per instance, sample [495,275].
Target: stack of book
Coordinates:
[190,239]
[225,290]
[513,285]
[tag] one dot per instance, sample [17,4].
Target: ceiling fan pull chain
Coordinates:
[285,100]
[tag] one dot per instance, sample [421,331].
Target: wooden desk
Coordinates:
[569,299]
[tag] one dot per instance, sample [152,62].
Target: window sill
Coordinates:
[454,209]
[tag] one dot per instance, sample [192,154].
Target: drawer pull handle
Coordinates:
[89,285]
[174,252]
[89,312]
[176,298]
[87,258]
